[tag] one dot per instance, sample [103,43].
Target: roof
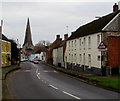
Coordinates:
[59,45]
[39,49]
[4,38]
[93,27]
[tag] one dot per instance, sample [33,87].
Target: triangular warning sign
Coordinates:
[102,45]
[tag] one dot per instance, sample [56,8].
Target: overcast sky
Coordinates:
[47,19]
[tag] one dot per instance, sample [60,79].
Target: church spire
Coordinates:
[28,39]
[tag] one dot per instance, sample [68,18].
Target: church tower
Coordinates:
[28,45]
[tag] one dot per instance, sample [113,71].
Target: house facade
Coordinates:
[58,53]
[82,51]
[49,56]
[6,52]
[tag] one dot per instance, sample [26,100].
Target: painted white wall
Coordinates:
[41,56]
[60,56]
[74,49]
[55,56]
[119,5]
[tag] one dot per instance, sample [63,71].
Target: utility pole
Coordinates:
[1,59]
[1,43]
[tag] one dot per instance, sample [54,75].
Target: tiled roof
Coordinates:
[39,49]
[58,45]
[4,38]
[93,27]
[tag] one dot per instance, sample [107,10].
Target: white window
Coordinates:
[69,57]
[75,57]
[84,42]
[98,57]
[84,59]
[80,59]
[72,43]
[80,44]
[89,60]
[72,58]
[69,43]
[98,40]
[89,42]
[75,44]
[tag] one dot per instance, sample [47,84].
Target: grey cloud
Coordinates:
[49,19]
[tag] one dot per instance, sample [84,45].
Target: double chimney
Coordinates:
[65,37]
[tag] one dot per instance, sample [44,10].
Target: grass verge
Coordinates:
[109,82]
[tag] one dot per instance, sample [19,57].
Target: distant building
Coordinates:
[39,53]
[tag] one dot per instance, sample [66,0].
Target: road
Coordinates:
[37,81]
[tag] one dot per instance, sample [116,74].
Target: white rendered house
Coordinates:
[82,51]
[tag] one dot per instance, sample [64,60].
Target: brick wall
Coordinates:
[113,51]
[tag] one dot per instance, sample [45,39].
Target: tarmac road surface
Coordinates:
[37,81]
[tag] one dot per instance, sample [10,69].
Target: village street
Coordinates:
[37,81]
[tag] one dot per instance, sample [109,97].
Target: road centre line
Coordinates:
[38,75]
[71,95]
[37,71]
[53,86]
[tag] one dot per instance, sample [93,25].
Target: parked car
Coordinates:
[23,60]
[35,61]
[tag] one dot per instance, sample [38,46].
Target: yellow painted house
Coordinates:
[6,52]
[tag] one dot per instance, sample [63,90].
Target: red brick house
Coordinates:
[49,58]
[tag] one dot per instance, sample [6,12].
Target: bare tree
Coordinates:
[43,43]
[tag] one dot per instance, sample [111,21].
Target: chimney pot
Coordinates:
[57,37]
[115,7]
[65,36]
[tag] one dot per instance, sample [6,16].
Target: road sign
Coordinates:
[102,46]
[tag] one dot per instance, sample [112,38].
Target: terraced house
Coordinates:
[82,51]
[6,51]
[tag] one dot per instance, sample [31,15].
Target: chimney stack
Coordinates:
[72,33]
[115,7]
[57,37]
[65,36]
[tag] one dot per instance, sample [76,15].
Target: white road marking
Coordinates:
[71,95]
[55,71]
[38,75]
[53,86]
[27,70]
[37,71]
